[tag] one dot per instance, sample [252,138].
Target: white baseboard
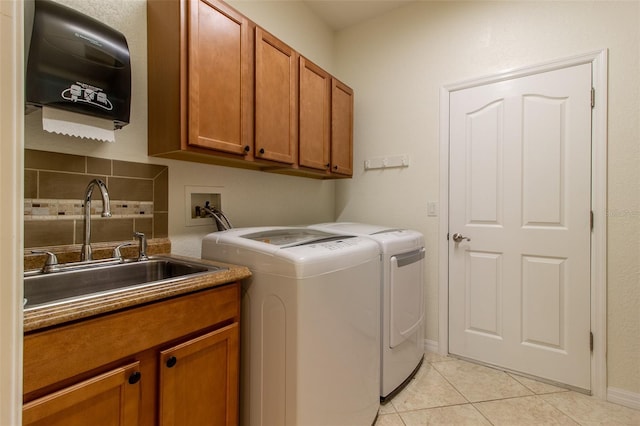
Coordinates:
[623,397]
[431,345]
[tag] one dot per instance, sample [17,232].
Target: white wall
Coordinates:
[397,64]
[250,198]
[11,188]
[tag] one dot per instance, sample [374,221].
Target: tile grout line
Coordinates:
[444,406]
[559,409]
[515,377]
[451,384]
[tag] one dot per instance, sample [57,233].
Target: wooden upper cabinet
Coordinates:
[314,116]
[341,128]
[219,77]
[275,99]
[222,90]
[200,80]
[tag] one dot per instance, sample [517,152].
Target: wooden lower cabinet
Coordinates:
[108,399]
[198,383]
[173,362]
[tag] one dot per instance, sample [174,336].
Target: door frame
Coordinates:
[11,223]
[599,65]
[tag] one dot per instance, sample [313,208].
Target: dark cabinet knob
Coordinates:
[335,167]
[171,361]
[261,151]
[247,148]
[328,165]
[134,378]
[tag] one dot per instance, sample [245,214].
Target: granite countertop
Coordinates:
[36,318]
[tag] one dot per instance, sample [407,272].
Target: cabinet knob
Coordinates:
[261,151]
[335,167]
[328,165]
[247,148]
[171,361]
[134,378]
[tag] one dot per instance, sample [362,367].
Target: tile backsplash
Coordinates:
[54,187]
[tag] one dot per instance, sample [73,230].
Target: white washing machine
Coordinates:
[310,333]
[402,282]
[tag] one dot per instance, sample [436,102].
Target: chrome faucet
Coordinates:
[85,253]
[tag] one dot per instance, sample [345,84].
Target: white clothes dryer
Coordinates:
[310,337]
[402,282]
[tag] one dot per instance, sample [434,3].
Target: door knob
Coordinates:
[458,237]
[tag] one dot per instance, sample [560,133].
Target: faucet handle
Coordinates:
[142,252]
[51,263]
[116,250]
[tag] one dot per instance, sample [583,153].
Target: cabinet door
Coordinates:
[276,99]
[199,380]
[109,399]
[220,77]
[341,128]
[314,116]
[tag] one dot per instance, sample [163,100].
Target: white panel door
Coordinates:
[520,173]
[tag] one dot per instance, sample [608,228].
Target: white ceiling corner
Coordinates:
[340,14]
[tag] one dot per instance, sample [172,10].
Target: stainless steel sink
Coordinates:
[98,279]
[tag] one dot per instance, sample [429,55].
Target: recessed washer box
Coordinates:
[195,198]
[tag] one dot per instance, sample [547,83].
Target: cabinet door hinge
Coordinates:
[447,236]
[593,97]
[591,341]
[591,219]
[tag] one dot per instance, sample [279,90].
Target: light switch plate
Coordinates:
[432,209]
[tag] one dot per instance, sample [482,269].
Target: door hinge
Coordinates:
[447,236]
[593,97]
[591,341]
[591,220]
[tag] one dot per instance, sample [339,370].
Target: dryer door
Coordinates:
[405,295]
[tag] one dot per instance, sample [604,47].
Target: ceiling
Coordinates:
[340,14]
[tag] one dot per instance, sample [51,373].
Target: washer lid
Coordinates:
[294,237]
[391,240]
[352,228]
[290,251]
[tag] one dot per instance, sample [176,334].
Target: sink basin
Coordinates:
[99,279]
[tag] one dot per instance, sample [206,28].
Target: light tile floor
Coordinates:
[446,391]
